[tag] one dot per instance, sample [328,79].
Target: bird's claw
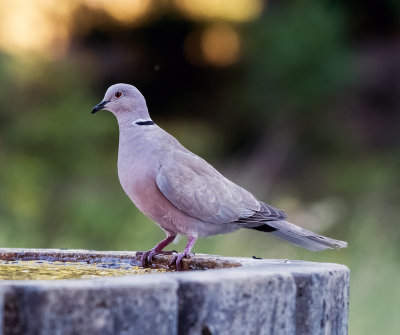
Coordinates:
[148,256]
[177,259]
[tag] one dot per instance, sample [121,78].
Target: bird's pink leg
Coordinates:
[147,256]
[185,254]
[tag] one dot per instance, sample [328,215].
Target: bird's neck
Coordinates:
[128,119]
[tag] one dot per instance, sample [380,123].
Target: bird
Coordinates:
[181,192]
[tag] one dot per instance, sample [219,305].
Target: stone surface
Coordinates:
[292,298]
[244,302]
[200,262]
[146,305]
[248,296]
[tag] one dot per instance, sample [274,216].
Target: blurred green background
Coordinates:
[298,101]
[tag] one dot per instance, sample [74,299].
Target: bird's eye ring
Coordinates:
[118,94]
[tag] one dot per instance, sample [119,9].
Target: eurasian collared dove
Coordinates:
[180,191]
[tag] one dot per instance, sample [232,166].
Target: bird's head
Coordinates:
[125,102]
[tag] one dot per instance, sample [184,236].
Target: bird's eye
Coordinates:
[118,94]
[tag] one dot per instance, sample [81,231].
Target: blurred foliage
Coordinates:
[307,118]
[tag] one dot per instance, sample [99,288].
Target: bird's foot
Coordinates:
[147,256]
[177,259]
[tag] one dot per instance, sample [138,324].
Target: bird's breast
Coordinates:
[137,174]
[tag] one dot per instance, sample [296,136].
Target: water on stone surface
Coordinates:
[53,270]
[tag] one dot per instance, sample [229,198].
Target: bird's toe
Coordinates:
[143,260]
[177,260]
[148,256]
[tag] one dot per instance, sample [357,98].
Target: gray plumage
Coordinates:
[180,191]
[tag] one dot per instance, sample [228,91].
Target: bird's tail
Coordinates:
[301,237]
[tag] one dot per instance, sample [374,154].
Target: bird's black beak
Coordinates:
[100,106]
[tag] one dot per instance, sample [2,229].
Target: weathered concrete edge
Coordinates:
[251,271]
[212,286]
[109,305]
[267,266]
[199,262]
[305,299]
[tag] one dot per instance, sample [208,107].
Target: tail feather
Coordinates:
[301,237]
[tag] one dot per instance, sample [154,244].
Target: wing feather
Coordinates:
[200,191]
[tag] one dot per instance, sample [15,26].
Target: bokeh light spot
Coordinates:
[230,10]
[125,11]
[36,26]
[220,45]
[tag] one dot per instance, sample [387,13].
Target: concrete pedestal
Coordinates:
[234,296]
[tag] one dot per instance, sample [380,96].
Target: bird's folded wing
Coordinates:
[200,191]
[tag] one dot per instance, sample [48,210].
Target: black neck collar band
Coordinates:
[144,123]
